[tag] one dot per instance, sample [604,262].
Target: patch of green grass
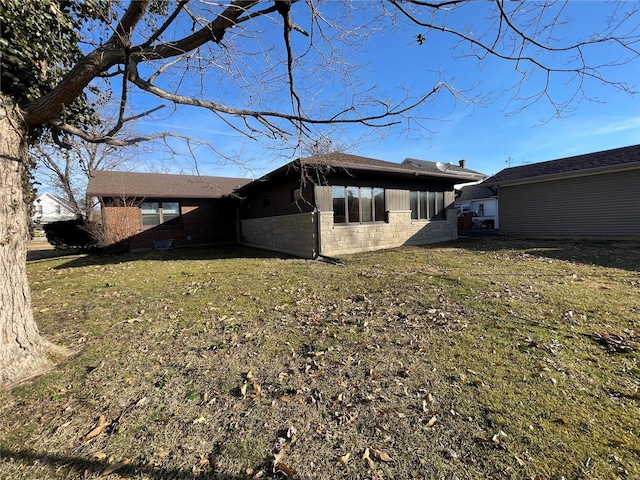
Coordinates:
[473,359]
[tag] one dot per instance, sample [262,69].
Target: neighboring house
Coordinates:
[337,204]
[590,196]
[48,208]
[147,210]
[480,203]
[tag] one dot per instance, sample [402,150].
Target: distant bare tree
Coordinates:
[68,170]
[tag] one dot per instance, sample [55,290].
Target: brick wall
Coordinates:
[295,234]
[291,234]
[202,222]
[341,239]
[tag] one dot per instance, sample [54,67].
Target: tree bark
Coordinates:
[23,352]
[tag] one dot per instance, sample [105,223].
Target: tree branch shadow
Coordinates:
[79,467]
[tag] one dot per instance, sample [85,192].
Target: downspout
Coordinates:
[239,225]
[316,246]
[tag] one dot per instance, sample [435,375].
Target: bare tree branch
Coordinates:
[514,37]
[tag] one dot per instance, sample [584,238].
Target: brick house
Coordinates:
[147,210]
[326,205]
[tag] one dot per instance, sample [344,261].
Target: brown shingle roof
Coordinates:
[344,161]
[158,185]
[436,167]
[472,192]
[579,164]
[355,162]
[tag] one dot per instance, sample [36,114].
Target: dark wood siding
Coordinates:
[324,198]
[276,198]
[397,200]
[605,206]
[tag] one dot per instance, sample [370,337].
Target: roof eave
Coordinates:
[563,175]
[401,171]
[152,196]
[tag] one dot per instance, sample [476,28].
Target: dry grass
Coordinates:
[473,359]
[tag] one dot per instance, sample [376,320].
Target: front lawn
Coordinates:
[477,359]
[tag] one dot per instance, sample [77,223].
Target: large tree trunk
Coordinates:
[23,353]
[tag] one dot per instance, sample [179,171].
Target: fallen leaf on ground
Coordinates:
[282,468]
[280,453]
[497,438]
[116,466]
[344,458]
[381,455]
[366,457]
[163,452]
[102,424]
[432,422]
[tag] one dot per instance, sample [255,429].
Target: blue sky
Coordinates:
[390,62]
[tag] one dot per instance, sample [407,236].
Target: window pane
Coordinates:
[150,207]
[171,208]
[170,213]
[338,205]
[413,204]
[432,205]
[150,213]
[423,205]
[378,200]
[150,220]
[366,200]
[353,202]
[440,213]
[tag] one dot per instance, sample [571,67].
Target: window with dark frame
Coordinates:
[166,214]
[358,204]
[427,205]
